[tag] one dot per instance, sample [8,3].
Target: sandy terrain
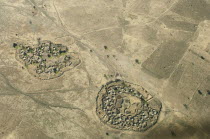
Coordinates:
[160,45]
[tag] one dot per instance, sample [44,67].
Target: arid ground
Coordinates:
[161,46]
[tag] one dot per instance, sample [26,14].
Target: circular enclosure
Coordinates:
[126,106]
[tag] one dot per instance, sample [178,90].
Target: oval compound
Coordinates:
[125,106]
[47,60]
